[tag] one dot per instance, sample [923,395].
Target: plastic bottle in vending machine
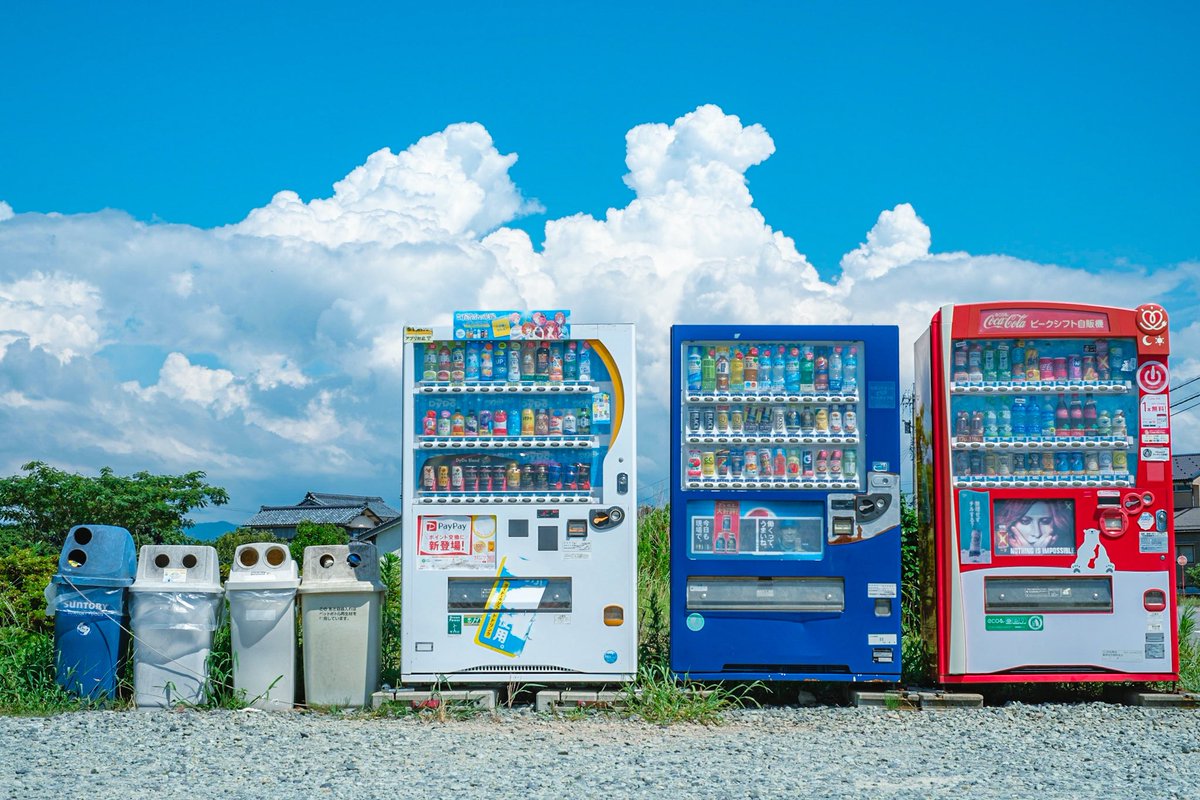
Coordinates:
[1076,416]
[583,421]
[750,373]
[778,370]
[850,372]
[1062,417]
[822,465]
[791,369]
[1032,364]
[571,364]
[1103,372]
[1090,418]
[1049,420]
[737,371]
[835,463]
[1118,425]
[487,369]
[585,361]
[850,420]
[458,423]
[500,422]
[821,373]
[471,371]
[1004,421]
[485,422]
[443,373]
[822,419]
[514,362]
[990,430]
[960,374]
[1017,416]
[835,370]
[1033,418]
[708,370]
[556,424]
[807,369]
[780,465]
[806,464]
[850,464]
[556,362]
[541,363]
[793,465]
[975,363]
[500,361]
[962,426]
[471,424]
[1018,362]
[808,420]
[1103,424]
[529,361]
[430,361]
[458,364]
[541,422]
[568,423]
[835,419]
[444,424]
[527,421]
[429,425]
[722,367]
[1003,361]
[989,363]
[765,381]
[977,426]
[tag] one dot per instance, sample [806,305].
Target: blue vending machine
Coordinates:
[785,502]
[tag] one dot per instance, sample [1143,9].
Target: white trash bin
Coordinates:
[341,599]
[176,603]
[262,620]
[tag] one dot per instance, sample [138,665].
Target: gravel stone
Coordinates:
[1043,751]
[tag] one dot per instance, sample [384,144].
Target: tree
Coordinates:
[46,502]
[228,543]
[309,534]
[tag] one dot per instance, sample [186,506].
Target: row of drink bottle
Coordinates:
[511,362]
[772,369]
[780,465]
[1047,464]
[1019,362]
[530,420]
[1038,418]
[776,420]
[544,475]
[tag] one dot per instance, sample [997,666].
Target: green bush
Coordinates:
[228,543]
[311,534]
[24,574]
[27,680]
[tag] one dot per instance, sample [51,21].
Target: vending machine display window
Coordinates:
[724,529]
[1043,412]
[1034,526]
[772,414]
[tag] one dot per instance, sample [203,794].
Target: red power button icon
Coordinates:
[1153,377]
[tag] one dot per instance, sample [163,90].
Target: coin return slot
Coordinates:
[843,526]
[883,606]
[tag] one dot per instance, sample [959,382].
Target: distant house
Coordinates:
[1185,472]
[358,514]
[385,537]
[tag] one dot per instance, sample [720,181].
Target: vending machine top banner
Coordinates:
[509,324]
[1147,323]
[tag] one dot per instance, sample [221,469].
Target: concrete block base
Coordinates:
[423,698]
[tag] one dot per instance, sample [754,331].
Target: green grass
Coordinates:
[660,696]
[27,675]
[1189,652]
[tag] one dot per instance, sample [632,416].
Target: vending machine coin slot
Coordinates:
[623,483]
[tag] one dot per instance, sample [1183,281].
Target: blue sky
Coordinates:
[1057,141]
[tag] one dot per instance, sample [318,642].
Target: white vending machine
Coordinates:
[520,537]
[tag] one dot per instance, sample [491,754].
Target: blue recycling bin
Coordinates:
[91,619]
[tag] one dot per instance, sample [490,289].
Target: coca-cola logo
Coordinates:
[1151,318]
[1005,320]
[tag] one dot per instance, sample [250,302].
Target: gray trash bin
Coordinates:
[262,619]
[176,605]
[341,599]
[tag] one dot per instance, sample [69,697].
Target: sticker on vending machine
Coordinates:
[1156,454]
[1154,413]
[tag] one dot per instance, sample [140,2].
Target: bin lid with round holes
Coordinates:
[341,568]
[177,568]
[97,555]
[262,565]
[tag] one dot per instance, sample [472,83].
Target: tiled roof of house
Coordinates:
[374,502]
[287,516]
[1185,467]
[1187,521]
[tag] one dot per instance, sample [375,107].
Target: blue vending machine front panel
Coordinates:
[785,502]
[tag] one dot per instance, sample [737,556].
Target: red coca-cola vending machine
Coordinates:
[1043,477]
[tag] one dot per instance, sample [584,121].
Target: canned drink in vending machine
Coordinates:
[722,463]
[806,463]
[1120,461]
[1075,368]
[1061,372]
[1077,465]
[1092,462]
[708,464]
[1062,463]
[695,421]
[694,468]
[443,478]
[710,420]
[736,464]
[991,465]
[962,463]
[470,479]
[976,463]
[793,465]
[456,478]
[541,477]
[722,419]
[736,419]
[1046,367]
[808,420]
[765,467]
[751,466]
[778,420]
[571,473]
[1004,465]
[1049,463]
[512,477]
[554,475]
[585,477]
[428,478]
[1105,461]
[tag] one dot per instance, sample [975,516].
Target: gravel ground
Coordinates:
[1040,751]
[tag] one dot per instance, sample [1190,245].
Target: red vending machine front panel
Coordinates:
[1049,544]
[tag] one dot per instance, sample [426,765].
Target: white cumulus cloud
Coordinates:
[181,380]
